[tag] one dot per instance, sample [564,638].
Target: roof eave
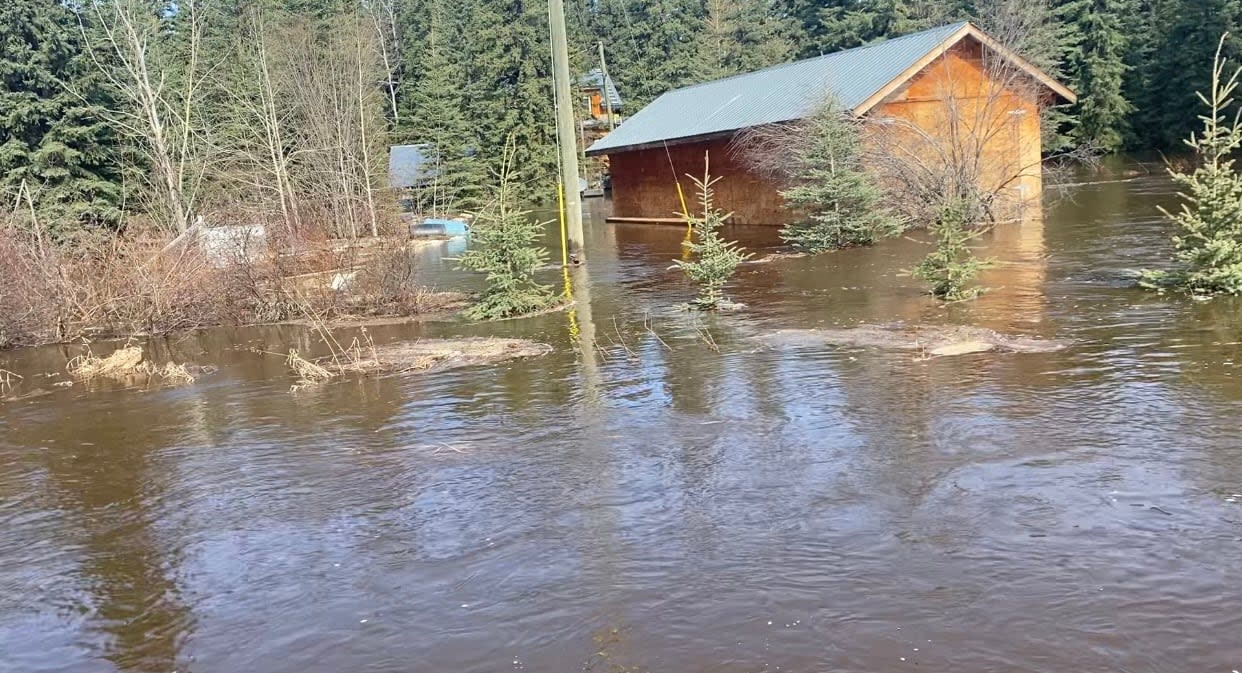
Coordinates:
[1039,75]
[669,142]
[967,30]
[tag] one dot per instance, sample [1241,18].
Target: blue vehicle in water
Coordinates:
[435,226]
[411,167]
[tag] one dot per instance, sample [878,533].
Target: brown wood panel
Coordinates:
[644,183]
[994,123]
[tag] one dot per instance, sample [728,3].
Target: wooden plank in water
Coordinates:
[645,220]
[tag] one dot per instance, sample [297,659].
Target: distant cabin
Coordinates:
[933,89]
[600,95]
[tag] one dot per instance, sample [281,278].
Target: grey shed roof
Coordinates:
[777,94]
[592,80]
[410,165]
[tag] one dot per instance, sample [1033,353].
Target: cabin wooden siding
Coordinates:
[644,183]
[994,123]
[999,126]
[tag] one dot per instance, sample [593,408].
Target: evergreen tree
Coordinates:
[739,36]
[713,259]
[806,29]
[1183,35]
[504,246]
[1209,243]
[1144,32]
[841,202]
[436,116]
[1096,70]
[825,27]
[952,266]
[52,137]
[508,89]
[654,45]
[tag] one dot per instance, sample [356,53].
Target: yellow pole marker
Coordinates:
[685,245]
[681,196]
[560,210]
[571,313]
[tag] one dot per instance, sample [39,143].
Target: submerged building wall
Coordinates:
[644,183]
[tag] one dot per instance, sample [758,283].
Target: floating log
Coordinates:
[645,220]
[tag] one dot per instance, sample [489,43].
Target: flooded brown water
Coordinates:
[655,505]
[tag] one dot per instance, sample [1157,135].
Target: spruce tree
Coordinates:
[1185,34]
[1096,70]
[807,29]
[1208,245]
[52,137]
[842,24]
[504,246]
[653,45]
[713,260]
[951,268]
[436,116]
[841,202]
[508,89]
[739,36]
[1144,33]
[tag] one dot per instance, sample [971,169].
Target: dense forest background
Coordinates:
[283,109]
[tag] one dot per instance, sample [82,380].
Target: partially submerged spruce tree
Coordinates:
[952,267]
[842,203]
[713,259]
[503,245]
[1208,247]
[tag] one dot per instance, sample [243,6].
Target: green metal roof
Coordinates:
[777,94]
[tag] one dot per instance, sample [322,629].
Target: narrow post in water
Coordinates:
[565,129]
[603,73]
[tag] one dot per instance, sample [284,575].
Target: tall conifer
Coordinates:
[52,137]
[1096,69]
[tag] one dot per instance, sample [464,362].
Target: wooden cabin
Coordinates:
[951,90]
[600,96]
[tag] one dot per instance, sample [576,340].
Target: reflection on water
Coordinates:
[661,494]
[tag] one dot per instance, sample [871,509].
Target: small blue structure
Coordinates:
[434,226]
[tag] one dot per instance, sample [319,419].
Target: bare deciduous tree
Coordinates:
[161,91]
[964,131]
[260,134]
[387,29]
[333,86]
[970,139]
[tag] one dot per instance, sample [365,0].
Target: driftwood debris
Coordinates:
[416,356]
[932,340]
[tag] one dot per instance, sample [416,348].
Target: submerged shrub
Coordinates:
[100,285]
[503,246]
[713,259]
[1208,257]
[952,266]
[841,201]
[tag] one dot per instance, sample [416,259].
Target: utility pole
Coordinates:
[565,130]
[603,71]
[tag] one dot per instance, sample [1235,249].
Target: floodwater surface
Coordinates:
[665,492]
